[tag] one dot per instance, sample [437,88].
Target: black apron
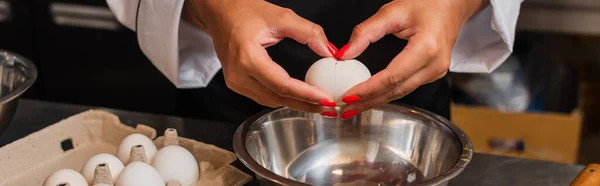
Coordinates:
[338,18]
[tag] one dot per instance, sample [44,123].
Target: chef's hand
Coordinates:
[241,30]
[431,28]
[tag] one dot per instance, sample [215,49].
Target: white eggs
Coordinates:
[336,77]
[114,164]
[62,176]
[139,174]
[136,139]
[176,163]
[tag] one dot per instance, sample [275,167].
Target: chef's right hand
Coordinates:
[241,30]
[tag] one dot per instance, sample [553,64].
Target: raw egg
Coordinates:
[65,177]
[138,174]
[115,165]
[176,163]
[124,150]
[336,77]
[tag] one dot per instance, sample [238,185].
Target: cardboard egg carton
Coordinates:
[72,141]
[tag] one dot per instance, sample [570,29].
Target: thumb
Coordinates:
[371,30]
[305,32]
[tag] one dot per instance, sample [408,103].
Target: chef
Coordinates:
[234,58]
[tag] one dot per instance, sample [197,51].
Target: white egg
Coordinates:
[336,77]
[176,163]
[102,184]
[114,164]
[139,174]
[136,139]
[173,183]
[63,176]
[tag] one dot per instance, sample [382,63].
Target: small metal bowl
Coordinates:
[388,145]
[17,74]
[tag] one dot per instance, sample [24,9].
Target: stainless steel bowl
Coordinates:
[17,74]
[388,145]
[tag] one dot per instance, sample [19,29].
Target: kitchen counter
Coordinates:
[490,170]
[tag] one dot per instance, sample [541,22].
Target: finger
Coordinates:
[252,89]
[304,31]
[276,79]
[439,76]
[403,89]
[262,95]
[415,56]
[387,20]
[243,90]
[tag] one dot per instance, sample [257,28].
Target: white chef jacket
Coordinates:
[186,55]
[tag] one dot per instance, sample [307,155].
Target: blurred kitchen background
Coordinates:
[541,104]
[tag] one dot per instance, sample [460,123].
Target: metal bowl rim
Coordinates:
[239,147]
[31,77]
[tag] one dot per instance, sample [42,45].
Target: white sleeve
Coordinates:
[487,39]
[183,53]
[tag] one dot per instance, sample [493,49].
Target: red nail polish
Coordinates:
[330,114]
[340,53]
[326,103]
[349,114]
[350,99]
[332,49]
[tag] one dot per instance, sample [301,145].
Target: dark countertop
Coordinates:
[34,115]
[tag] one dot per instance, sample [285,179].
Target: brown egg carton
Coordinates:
[72,141]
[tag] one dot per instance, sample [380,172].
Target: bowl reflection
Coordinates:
[17,74]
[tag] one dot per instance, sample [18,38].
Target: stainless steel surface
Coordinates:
[490,170]
[5,11]
[560,16]
[566,3]
[84,16]
[389,145]
[17,74]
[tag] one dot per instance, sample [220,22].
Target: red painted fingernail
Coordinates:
[330,114]
[326,103]
[332,49]
[340,53]
[349,114]
[350,99]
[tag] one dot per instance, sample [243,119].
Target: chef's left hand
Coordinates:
[431,28]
